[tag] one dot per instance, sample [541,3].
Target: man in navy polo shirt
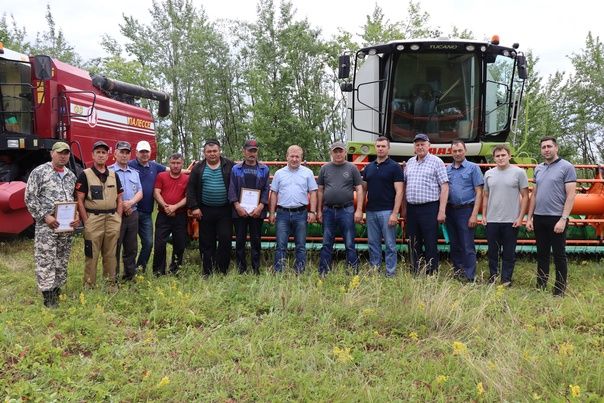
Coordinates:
[465,197]
[550,205]
[147,171]
[426,196]
[383,181]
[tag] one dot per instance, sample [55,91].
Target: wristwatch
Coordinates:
[312,212]
[564,217]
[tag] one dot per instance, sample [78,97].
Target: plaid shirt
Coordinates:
[424,179]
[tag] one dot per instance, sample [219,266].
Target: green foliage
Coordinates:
[287,337]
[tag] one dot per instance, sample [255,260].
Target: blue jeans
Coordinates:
[422,229]
[290,222]
[378,228]
[332,219]
[461,238]
[502,238]
[145,233]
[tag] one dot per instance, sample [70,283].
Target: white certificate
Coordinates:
[65,213]
[249,199]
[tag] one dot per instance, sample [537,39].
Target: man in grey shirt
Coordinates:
[551,203]
[504,203]
[338,180]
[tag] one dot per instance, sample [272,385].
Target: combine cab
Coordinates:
[452,89]
[42,101]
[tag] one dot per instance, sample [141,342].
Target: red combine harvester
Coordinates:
[42,101]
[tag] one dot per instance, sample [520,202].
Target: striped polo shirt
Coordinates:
[214,192]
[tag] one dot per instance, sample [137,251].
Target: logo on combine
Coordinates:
[443,47]
[446,150]
[92,118]
[145,124]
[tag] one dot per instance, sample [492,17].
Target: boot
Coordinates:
[56,294]
[49,299]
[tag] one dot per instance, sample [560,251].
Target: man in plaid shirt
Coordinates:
[426,193]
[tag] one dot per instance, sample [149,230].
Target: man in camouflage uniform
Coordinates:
[50,183]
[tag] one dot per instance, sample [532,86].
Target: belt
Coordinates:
[338,206]
[110,211]
[292,209]
[423,204]
[460,206]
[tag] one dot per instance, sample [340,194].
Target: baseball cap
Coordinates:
[100,144]
[60,146]
[337,144]
[250,144]
[123,145]
[143,145]
[421,137]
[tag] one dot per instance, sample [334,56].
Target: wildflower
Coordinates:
[413,336]
[368,311]
[100,308]
[459,348]
[421,306]
[139,278]
[342,289]
[319,283]
[82,299]
[566,349]
[342,354]
[575,390]
[159,291]
[500,290]
[535,396]
[354,282]
[164,381]
[491,365]
[62,297]
[479,389]
[441,379]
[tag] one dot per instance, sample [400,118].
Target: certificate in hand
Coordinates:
[249,199]
[65,213]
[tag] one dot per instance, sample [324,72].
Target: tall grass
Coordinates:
[287,337]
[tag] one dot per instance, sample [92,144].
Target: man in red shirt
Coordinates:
[170,194]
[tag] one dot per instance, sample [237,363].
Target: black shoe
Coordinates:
[50,300]
[492,279]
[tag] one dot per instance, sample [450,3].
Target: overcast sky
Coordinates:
[551,29]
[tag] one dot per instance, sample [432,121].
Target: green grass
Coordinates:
[278,338]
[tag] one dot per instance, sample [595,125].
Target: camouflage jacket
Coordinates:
[45,187]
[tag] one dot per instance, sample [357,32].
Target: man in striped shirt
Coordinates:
[207,198]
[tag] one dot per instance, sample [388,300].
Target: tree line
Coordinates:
[275,79]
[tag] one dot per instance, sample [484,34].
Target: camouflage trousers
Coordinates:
[51,252]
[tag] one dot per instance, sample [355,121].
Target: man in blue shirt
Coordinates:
[465,197]
[426,194]
[291,188]
[250,176]
[383,182]
[133,193]
[147,171]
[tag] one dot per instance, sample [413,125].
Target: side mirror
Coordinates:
[346,87]
[522,66]
[42,68]
[344,66]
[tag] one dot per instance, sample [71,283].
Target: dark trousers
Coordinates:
[164,226]
[501,238]
[243,226]
[215,226]
[461,241]
[129,243]
[422,229]
[547,240]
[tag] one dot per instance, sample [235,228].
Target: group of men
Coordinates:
[115,203]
